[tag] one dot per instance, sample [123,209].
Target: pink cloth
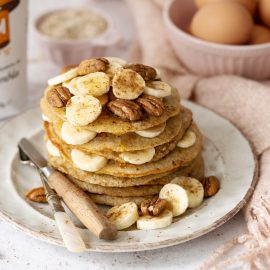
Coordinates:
[244,102]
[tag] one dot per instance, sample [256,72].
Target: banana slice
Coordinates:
[128,84]
[158,89]
[82,110]
[52,149]
[87,162]
[138,157]
[194,190]
[45,118]
[116,64]
[75,136]
[73,89]
[123,216]
[113,68]
[148,222]
[176,196]
[152,132]
[188,140]
[95,84]
[72,86]
[158,76]
[67,76]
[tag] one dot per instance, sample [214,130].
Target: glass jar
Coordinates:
[13,34]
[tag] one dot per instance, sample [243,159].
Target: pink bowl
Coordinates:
[66,52]
[207,58]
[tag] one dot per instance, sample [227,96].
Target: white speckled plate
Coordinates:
[227,154]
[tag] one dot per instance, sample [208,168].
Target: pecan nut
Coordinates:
[153,206]
[36,195]
[148,73]
[211,186]
[93,65]
[152,105]
[58,96]
[125,109]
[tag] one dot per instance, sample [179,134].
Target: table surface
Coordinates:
[20,251]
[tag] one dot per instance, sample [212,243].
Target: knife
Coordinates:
[74,197]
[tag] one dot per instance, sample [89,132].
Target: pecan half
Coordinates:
[153,206]
[58,96]
[93,65]
[125,109]
[148,73]
[152,105]
[211,186]
[36,195]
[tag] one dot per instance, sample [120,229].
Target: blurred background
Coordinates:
[185,39]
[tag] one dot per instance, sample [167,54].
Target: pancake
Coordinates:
[107,142]
[109,123]
[160,151]
[195,168]
[143,190]
[119,192]
[67,167]
[113,200]
[175,159]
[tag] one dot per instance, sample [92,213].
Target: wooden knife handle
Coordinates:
[82,206]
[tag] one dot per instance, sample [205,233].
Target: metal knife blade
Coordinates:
[39,161]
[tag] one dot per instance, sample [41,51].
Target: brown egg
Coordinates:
[249,4]
[222,22]
[260,34]
[264,11]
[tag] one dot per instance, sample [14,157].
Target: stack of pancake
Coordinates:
[121,144]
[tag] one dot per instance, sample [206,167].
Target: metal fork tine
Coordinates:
[24,159]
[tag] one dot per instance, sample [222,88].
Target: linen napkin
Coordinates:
[244,102]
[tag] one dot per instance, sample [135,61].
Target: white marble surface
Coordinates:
[19,251]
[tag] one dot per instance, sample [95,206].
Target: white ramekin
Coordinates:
[67,52]
[207,58]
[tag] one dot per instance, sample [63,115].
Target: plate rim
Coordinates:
[162,243]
